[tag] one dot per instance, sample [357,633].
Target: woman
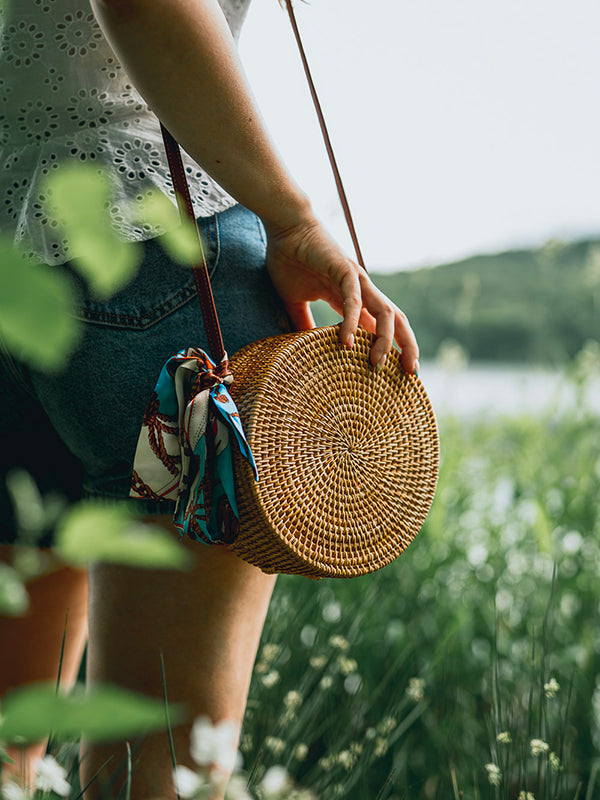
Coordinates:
[74,69]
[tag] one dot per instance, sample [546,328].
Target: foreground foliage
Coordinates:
[468,668]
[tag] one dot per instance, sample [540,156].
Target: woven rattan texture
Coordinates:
[347,455]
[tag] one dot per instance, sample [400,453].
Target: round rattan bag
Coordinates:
[347,455]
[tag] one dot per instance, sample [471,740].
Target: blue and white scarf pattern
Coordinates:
[184,451]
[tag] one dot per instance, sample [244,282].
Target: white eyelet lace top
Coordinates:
[64,97]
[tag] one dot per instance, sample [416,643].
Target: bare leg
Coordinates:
[207,624]
[30,645]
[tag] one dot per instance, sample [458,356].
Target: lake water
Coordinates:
[502,389]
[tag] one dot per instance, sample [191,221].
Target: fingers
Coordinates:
[382,311]
[407,341]
[305,264]
[351,307]
[378,314]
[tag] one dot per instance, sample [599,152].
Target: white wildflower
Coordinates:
[214,744]
[326,682]
[201,741]
[526,796]
[332,612]
[356,748]
[381,747]
[237,789]
[551,688]
[275,781]
[346,759]
[339,641]
[270,679]
[504,737]
[50,776]
[10,791]
[346,665]
[555,762]
[386,726]
[270,651]
[187,783]
[317,662]
[416,689]
[274,744]
[538,747]
[325,763]
[292,699]
[370,733]
[300,752]
[494,774]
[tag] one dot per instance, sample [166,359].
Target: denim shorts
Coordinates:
[76,431]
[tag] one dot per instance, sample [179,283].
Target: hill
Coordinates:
[521,305]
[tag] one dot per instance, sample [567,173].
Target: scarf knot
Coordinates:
[184,451]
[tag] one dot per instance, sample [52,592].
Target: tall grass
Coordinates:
[452,644]
[432,677]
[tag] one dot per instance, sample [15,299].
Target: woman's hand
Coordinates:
[305,264]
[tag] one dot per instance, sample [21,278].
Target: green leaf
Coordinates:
[27,501]
[99,532]
[181,239]
[36,305]
[78,198]
[103,713]
[14,600]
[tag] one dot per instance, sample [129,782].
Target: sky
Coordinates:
[460,126]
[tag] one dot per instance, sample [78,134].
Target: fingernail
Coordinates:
[417,368]
[350,341]
[381,362]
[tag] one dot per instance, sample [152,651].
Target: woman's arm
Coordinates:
[182,58]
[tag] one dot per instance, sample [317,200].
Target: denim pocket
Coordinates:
[160,286]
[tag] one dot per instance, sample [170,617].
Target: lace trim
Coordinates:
[64,96]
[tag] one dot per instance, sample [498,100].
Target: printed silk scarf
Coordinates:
[184,448]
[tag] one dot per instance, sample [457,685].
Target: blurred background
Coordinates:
[460,128]
[466,134]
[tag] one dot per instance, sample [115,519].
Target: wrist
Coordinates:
[289,212]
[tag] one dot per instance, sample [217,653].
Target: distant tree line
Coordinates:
[522,305]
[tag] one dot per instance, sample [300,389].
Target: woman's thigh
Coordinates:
[205,622]
[205,625]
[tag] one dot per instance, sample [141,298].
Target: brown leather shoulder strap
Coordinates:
[184,201]
[326,138]
[201,276]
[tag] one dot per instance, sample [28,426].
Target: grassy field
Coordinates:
[432,677]
[414,679]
